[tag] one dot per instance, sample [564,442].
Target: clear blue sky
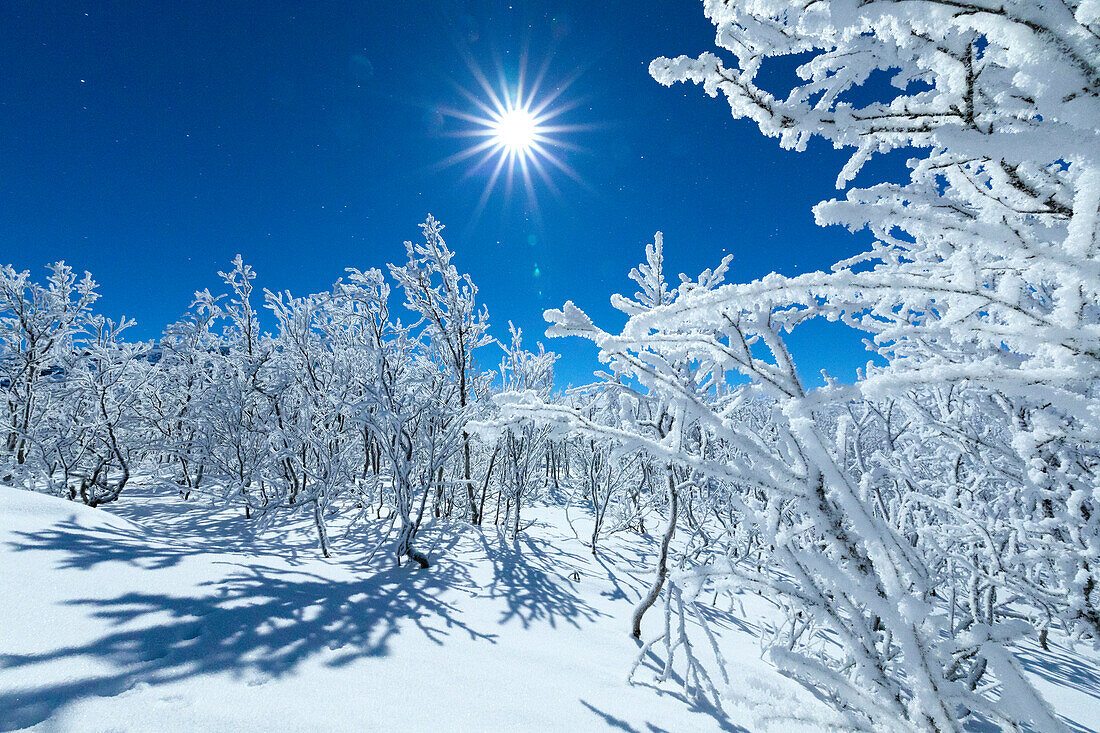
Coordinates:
[149,142]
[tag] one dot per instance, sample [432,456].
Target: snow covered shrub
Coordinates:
[966,466]
[408,405]
[445,301]
[71,388]
[41,328]
[104,390]
[181,395]
[339,401]
[237,405]
[523,448]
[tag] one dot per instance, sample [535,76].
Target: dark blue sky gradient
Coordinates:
[150,142]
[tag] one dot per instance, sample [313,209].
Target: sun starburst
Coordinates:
[516,133]
[516,130]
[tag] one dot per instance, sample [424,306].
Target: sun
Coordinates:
[516,130]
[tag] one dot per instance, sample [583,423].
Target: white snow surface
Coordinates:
[159,614]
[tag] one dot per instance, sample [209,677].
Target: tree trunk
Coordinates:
[515,525]
[475,513]
[662,560]
[322,530]
[405,547]
[485,486]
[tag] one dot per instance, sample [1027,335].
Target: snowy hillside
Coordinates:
[118,623]
[156,617]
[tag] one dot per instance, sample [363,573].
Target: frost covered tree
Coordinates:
[603,472]
[980,293]
[338,405]
[984,273]
[41,327]
[71,388]
[182,392]
[523,448]
[107,384]
[445,303]
[401,406]
[242,404]
[315,402]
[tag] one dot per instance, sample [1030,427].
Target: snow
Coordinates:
[111,623]
[174,615]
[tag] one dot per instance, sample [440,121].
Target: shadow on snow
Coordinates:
[528,574]
[257,620]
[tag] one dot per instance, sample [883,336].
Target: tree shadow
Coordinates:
[610,720]
[86,547]
[717,618]
[1061,667]
[696,703]
[620,590]
[221,527]
[170,542]
[258,620]
[528,576]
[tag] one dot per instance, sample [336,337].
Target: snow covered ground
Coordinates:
[165,615]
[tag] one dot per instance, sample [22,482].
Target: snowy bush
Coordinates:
[908,523]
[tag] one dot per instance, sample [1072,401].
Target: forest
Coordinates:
[911,530]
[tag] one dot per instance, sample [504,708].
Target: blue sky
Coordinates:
[151,142]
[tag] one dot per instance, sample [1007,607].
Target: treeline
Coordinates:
[342,408]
